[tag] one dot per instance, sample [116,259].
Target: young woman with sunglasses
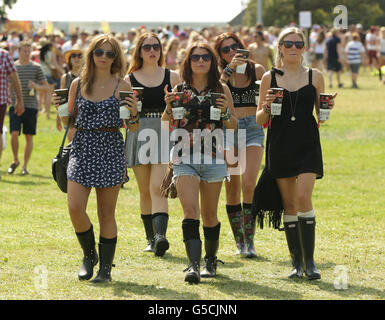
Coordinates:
[147,71]
[243,90]
[97,157]
[200,171]
[74,61]
[293,149]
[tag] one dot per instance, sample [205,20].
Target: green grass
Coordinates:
[35,229]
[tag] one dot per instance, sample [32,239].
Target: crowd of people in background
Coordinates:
[49,50]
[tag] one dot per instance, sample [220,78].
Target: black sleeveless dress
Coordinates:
[294,146]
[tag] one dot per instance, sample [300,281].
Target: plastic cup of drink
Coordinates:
[215,113]
[178,113]
[257,86]
[325,98]
[276,106]
[124,113]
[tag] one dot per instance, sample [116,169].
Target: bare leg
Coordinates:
[27,149]
[77,204]
[107,198]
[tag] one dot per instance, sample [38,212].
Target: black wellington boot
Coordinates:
[90,259]
[106,253]
[307,237]
[160,221]
[294,244]
[148,228]
[194,253]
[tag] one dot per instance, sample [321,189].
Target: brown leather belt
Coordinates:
[100,129]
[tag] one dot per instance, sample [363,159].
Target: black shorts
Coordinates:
[3,109]
[334,65]
[28,120]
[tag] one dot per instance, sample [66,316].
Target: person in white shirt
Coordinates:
[381,54]
[68,45]
[371,46]
[355,52]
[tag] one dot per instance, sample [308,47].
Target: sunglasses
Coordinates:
[101,52]
[289,44]
[147,47]
[196,57]
[76,55]
[234,46]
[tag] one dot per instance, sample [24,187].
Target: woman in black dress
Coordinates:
[293,155]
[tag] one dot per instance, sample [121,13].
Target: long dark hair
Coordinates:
[217,46]
[44,50]
[213,74]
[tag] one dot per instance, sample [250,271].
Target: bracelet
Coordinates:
[265,109]
[133,121]
[226,116]
[135,116]
[169,113]
[228,71]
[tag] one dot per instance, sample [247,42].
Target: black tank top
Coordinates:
[244,97]
[153,97]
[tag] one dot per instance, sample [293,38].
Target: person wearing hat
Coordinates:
[74,61]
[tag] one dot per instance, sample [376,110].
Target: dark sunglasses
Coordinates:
[195,57]
[101,52]
[147,47]
[76,55]
[234,46]
[289,44]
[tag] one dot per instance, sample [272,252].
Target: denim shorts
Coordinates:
[251,134]
[215,172]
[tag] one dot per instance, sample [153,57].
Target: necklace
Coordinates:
[291,106]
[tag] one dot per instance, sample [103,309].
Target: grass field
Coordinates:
[40,256]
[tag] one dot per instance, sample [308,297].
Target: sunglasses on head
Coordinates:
[100,52]
[147,47]
[289,44]
[196,57]
[234,46]
[76,55]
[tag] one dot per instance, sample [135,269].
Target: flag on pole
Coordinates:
[48,27]
[105,27]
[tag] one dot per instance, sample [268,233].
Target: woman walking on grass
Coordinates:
[200,171]
[293,149]
[243,90]
[147,71]
[97,157]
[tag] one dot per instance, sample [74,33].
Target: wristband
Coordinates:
[133,121]
[226,116]
[265,109]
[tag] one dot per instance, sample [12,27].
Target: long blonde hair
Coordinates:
[118,67]
[284,33]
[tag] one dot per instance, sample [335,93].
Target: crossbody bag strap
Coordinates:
[70,118]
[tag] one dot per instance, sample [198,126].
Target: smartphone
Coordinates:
[215,96]
[63,94]
[245,53]
[124,94]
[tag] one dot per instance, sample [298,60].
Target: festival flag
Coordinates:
[105,27]
[48,27]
